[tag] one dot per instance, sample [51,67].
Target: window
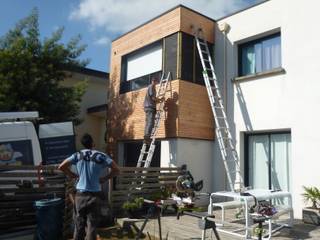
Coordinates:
[191,67]
[260,55]
[267,161]
[140,66]
[132,152]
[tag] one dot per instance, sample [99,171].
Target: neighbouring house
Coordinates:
[93,105]
[266,62]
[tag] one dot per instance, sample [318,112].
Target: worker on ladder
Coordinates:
[149,106]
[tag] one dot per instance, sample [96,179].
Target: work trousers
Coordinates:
[150,116]
[86,216]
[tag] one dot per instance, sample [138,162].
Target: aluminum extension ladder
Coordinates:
[146,154]
[229,154]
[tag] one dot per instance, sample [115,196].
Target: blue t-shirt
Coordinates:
[89,169]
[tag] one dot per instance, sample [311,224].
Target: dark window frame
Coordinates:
[197,70]
[246,154]
[142,81]
[253,42]
[136,145]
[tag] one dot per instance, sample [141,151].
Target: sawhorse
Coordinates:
[153,210]
[204,223]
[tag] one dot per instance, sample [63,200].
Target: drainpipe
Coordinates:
[224,29]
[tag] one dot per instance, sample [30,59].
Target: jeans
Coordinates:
[86,216]
[150,116]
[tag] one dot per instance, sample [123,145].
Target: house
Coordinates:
[266,63]
[164,44]
[93,104]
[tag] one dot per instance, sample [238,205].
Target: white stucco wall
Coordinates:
[197,154]
[284,101]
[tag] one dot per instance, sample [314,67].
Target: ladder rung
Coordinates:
[231,161]
[225,138]
[236,171]
[222,127]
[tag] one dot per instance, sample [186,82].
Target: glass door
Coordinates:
[268,161]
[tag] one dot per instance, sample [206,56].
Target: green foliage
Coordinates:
[257,231]
[163,193]
[312,194]
[133,205]
[32,70]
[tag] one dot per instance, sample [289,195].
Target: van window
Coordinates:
[16,152]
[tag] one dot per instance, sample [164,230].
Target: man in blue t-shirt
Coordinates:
[90,164]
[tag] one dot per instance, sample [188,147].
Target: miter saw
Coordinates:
[186,188]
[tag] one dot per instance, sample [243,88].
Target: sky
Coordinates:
[101,21]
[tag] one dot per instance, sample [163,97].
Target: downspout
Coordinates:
[224,29]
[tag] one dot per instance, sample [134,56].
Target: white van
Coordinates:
[20,144]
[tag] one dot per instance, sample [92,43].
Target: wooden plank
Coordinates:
[18,174]
[17,223]
[16,204]
[121,199]
[35,183]
[146,179]
[122,192]
[148,174]
[150,169]
[135,185]
[33,190]
[144,185]
[34,196]
[22,167]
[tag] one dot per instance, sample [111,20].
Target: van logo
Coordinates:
[7,154]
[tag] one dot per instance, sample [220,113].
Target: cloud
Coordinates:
[119,16]
[105,41]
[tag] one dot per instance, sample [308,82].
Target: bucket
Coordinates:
[49,216]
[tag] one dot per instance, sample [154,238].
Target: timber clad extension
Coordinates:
[188,113]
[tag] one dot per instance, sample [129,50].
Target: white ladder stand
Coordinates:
[145,157]
[228,152]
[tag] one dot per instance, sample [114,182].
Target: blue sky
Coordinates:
[100,21]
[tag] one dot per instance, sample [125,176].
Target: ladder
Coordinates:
[228,152]
[146,153]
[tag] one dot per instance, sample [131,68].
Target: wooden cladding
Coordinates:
[192,21]
[187,109]
[195,114]
[187,113]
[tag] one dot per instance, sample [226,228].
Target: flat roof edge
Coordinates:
[160,15]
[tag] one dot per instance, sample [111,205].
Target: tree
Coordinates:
[31,72]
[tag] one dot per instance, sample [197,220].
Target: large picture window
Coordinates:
[140,66]
[267,162]
[260,55]
[144,62]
